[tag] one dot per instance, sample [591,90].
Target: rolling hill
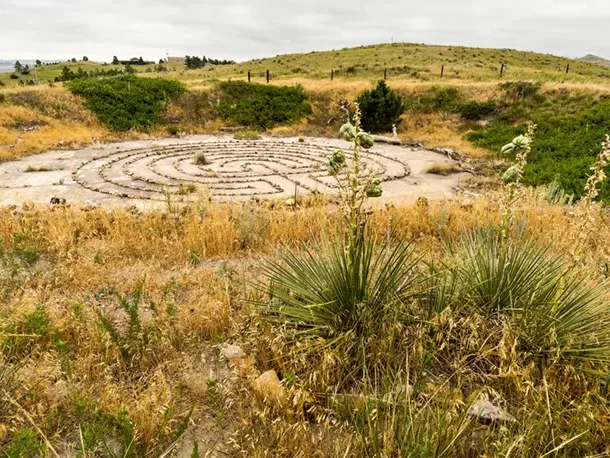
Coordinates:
[593,59]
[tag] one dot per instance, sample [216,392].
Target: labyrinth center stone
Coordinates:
[234,168]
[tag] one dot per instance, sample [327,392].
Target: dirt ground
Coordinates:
[145,173]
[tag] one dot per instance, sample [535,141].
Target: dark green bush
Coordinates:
[173,130]
[261,106]
[127,102]
[380,108]
[474,111]
[521,89]
[435,99]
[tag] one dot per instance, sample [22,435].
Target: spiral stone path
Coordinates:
[147,173]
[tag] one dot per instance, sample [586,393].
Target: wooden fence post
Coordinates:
[502,70]
[568,69]
[442,71]
[385,73]
[249,77]
[267,75]
[332,75]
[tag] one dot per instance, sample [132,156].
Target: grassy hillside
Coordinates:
[421,63]
[404,61]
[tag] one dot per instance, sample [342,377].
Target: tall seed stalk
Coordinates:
[585,214]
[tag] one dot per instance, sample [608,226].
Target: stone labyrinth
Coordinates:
[233,169]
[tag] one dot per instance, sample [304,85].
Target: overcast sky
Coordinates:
[240,29]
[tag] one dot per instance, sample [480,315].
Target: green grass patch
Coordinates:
[127,102]
[565,145]
[26,443]
[571,127]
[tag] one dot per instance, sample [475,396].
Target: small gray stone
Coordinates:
[230,351]
[486,412]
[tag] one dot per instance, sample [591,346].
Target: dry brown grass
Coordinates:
[36,120]
[196,265]
[444,168]
[87,255]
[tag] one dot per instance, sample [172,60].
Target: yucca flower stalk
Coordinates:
[522,146]
[356,181]
[585,214]
[347,292]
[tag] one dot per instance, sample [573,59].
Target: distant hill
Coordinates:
[8,65]
[593,59]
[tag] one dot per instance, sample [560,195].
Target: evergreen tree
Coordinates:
[115,60]
[18,67]
[85,59]
[380,108]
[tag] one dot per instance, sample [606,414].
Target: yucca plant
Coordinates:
[552,309]
[345,298]
[346,292]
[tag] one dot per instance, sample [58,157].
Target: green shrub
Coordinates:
[435,99]
[173,130]
[126,102]
[261,106]
[380,108]
[139,337]
[341,300]
[474,111]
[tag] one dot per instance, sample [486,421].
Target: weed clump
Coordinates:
[200,158]
[444,168]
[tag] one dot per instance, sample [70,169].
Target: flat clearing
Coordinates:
[145,173]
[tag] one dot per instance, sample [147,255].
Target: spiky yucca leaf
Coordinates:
[336,294]
[553,309]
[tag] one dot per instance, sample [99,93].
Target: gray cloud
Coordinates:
[237,29]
